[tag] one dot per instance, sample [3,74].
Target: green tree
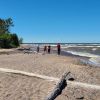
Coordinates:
[14,40]
[5,25]
[8,40]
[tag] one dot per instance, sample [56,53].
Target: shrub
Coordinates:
[9,40]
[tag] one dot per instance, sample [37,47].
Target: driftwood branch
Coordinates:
[59,87]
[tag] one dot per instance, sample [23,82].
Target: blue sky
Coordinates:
[54,20]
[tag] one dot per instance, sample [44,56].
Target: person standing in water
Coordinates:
[49,49]
[58,48]
[45,49]
[38,49]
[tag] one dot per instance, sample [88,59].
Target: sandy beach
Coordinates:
[20,87]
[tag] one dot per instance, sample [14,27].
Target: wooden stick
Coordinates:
[59,87]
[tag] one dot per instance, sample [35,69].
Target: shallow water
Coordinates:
[90,50]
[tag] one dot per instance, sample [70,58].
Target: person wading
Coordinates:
[38,49]
[58,48]
[49,49]
[45,49]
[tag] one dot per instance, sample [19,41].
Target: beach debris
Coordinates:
[29,74]
[28,52]
[84,85]
[71,83]
[66,80]
[80,98]
[71,79]
[59,87]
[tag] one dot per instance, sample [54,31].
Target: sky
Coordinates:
[65,21]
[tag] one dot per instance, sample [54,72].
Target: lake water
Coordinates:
[91,50]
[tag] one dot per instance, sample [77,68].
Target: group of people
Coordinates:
[48,49]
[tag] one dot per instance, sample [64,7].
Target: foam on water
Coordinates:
[82,54]
[94,49]
[94,59]
[80,46]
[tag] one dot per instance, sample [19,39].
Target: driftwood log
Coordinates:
[59,87]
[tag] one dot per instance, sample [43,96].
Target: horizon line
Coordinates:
[60,43]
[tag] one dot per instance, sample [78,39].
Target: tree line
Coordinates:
[8,39]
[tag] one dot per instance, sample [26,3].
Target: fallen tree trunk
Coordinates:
[59,87]
[68,79]
[29,74]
